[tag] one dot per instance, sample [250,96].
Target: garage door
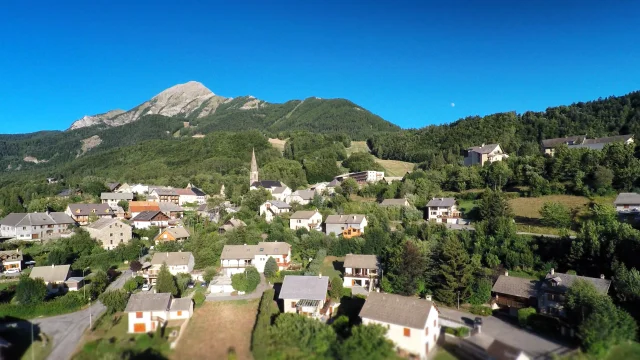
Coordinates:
[139,328]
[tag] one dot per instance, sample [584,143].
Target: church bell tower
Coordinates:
[253,176]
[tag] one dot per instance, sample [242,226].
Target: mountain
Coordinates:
[181,100]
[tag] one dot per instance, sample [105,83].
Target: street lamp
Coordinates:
[83,283]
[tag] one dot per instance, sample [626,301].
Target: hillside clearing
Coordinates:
[216,329]
[278,144]
[391,167]
[529,207]
[358,146]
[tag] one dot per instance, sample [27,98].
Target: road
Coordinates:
[533,344]
[65,331]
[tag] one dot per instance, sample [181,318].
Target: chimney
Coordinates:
[53,265]
[167,254]
[320,275]
[427,297]
[602,276]
[506,273]
[482,144]
[552,271]
[354,217]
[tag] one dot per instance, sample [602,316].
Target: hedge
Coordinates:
[481,310]
[65,304]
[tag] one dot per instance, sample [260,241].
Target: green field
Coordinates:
[630,351]
[330,269]
[391,167]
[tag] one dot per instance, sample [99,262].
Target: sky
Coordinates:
[414,63]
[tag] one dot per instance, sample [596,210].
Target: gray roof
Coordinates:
[303,214]
[304,287]
[590,146]
[305,194]
[502,351]
[103,223]
[279,189]
[396,309]
[113,186]
[564,282]
[49,274]
[345,219]
[394,202]
[75,279]
[29,219]
[627,199]
[167,207]
[176,232]
[232,252]
[524,288]
[279,204]
[164,192]
[569,140]
[484,149]
[147,301]
[267,184]
[10,255]
[609,139]
[90,209]
[147,215]
[171,258]
[361,261]
[116,196]
[182,304]
[442,202]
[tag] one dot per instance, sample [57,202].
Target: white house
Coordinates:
[236,258]
[148,311]
[147,219]
[443,210]
[412,323]
[361,177]
[112,199]
[305,295]
[361,273]
[310,220]
[186,196]
[302,197]
[177,262]
[272,208]
[10,260]
[138,189]
[345,225]
[281,193]
[201,196]
[35,226]
[627,203]
[479,155]
[54,276]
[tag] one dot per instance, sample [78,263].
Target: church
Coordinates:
[278,190]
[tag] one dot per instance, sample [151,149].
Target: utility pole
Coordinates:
[32,348]
[90,325]
[458,300]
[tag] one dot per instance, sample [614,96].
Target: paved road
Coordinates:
[65,331]
[533,344]
[262,287]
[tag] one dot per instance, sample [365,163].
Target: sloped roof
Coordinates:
[279,204]
[116,196]
[90,209]
[345,219]
[29,219]
[139,206]
[564,282]
[279,189]
[49,274]
[609,139]
[197,191]
[361,261]
[484,149]
[147,301]
[304,287]
[167,207]
[185,192]
[627,199]
[176,232]
[182,304]
[165,191]
[233,252]
[394,202]
[103,223]
[501,351]
[305,194]
[442,202]
[113,186]
[148,215]
[303,214]
[267,184]
[524,288]
[396,309]
[10,255]
[171,258]
[569,140]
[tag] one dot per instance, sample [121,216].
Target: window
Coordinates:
[179,313]
[434,323]
[139,315]
[111,242]
[426,331]
[293,304]
[407,332]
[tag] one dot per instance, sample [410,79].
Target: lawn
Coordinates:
[216,329]
[529,207]
[332,266]
[466,206]
[278,144]
[443,354]
[358,146]
[630,351]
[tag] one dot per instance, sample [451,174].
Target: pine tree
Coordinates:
[270,268]
[166,283]
[456,271]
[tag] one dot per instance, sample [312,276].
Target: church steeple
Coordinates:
[253,176]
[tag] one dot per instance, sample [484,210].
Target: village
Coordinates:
[309,284]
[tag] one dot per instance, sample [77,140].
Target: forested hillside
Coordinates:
[517,133]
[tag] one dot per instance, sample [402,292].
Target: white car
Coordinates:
[12,271]
[146,287]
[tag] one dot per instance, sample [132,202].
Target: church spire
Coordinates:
[253,176]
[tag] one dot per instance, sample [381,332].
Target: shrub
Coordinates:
[30,291]
[209,274]
[336,288]
[115,300]
[524,315]
[481,310]
[132,284]
[462,331]
[247,281]
[199,298]
[450,330]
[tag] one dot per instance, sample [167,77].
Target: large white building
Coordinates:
[304,295]
[412,324]
[35,226]
[443,210]
[236,258]
[310,220]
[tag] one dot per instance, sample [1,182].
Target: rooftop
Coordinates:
[267,184]
[146,301]
[176,232]
[627,199]
[524,288]
[29,219]
[116,196]
[303,214]
[57,273]
[442,202]
[361,261]
[393,202]
[396,309]
[148,215]
[172,258]
[10,255]
[304,287]
[182,304]
[90,209]
[345,219]
[562,282]
[103,223]
[232,252]
[279,204]
[484,149]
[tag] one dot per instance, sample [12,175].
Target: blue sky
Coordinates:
[408,62]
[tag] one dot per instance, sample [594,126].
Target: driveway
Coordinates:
[533,344]
[257,294]
[65,331]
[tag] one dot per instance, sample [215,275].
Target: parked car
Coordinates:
[190,285]
[203,284]
[478,321]
[146,287]
[12,271]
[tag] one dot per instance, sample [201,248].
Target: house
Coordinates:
[201,196]
[54,276]
[302,197]
[627,203]
[114,186]
[305,295]
[112,199]
[310,220]
[174,211]
[11,259]
[231,224]
[482,346]
[581,141]
[553,288]
[412,324]
[319,188]
[67,193]
[362,177]
[395,202]
[147,219]
[266,184]
[345,225]
[235,258]
[514,293]
[35,226]
[173,234]
[83,213]
[177,262]
[479,155]
[186,196]
[272,208]
[110,232]
[361,273]
[74,283]
[148,311]
[139,189]
[136,207]
[443,210]
[165,195]
[281,193]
